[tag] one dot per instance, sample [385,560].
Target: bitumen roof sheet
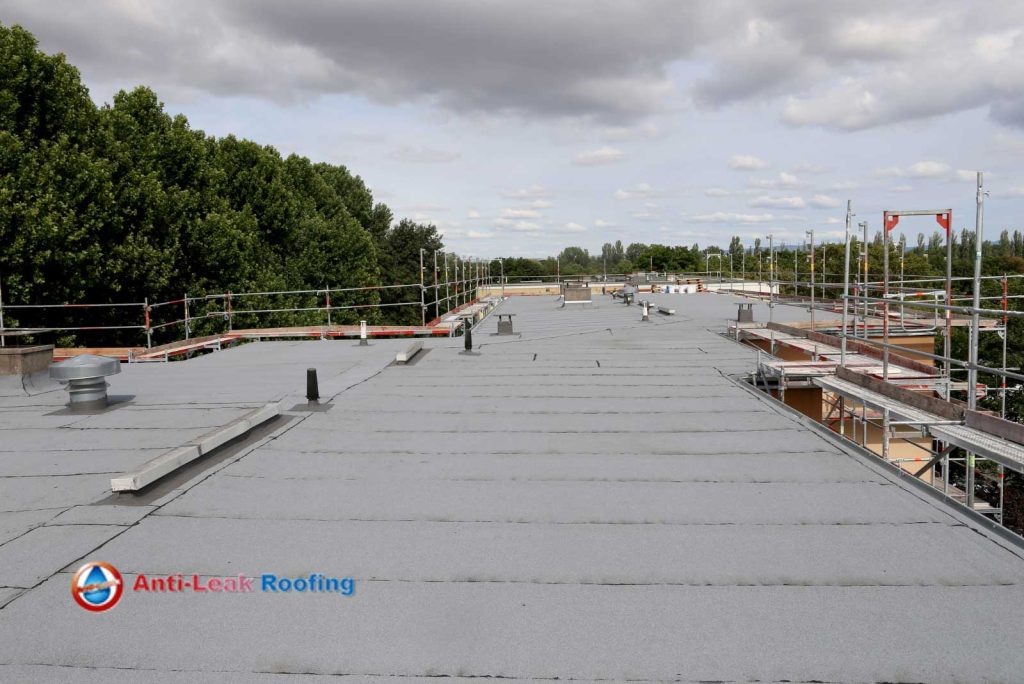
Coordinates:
[593,498]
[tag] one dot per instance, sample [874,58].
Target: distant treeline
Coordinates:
[123,201]
[927,256]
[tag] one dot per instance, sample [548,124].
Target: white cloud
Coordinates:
[767,202]
[478,235]
[645,215]
[625,133]
[824,202]
[599,157]
[639,191]
[901,188]
[540,204]
[928,170]
[783,180]
[421,217]
[727,217]
[844,185]
[914,81]
[531,192]
[509,213]
[524,226]
[574,227]
[747,162]
[1015,191]
[472,214]
[517,225]
[921,169]
[601,223]
[717,192]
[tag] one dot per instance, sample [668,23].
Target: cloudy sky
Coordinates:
[521,126]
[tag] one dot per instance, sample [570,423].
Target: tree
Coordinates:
[574,256]
[635,252]
[126,201]
[518,267]
[612,254]
[401,259]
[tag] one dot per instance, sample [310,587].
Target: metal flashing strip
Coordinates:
[168,462]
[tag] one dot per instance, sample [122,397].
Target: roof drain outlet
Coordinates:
[312,387]
[467,335]
[85,377]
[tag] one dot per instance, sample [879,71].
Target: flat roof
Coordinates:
[593,498]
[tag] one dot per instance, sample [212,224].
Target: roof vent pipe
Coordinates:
[85,377]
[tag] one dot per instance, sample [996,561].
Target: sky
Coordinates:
[520,126]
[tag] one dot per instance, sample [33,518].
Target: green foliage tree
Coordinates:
[635,252]
[576,259]
[401,259]
[518,267]
[126,201]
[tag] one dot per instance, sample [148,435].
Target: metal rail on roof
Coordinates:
[455,285]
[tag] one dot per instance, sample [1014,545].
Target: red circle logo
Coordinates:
[97,586]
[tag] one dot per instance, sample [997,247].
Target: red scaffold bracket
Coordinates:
[890,221]
[944,219]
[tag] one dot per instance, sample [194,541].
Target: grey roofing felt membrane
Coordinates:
[592,499]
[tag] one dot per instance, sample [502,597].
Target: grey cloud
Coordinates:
[1009,111]
[841,64]
[608,62]
[857,65]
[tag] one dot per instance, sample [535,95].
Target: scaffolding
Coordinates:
[871,390]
